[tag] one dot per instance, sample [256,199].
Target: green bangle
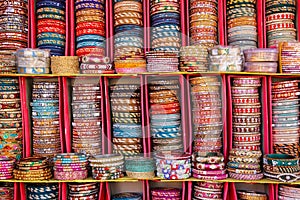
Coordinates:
[280,160]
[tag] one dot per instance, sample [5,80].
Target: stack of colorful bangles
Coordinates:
[7,191]
[42,191]
[140,168]
[173,166]
[162,61]
[193,59]
[127,196]
[129,36]
[203,22]
[209,167]
[165,115]
[289,57]
[246,113]
[165,23]
[107,167]
[70,166]
[166,193]
[86,111]
[51,26]
[224,59]
[207,114]
[280,21]
[126,116]
[6,168]
[45,117]
[13,33]
[244,165]
[288,192]
[284,168]
[96,65]
[33,61]
[90,27]
[32,169]
[10,118]
[249,195]
[285,117]
[208,190]
[261,60]
[242,24]
[246,153]
[83,191]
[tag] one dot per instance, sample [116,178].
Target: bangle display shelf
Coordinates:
[222,79]
[237,184]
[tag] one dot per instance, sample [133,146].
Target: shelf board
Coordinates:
[127,179]
[150,73]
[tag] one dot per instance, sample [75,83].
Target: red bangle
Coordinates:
[51,29]
[201,166]
[51,22]
[96,51]
[90,31]
[247,138]
[90,25]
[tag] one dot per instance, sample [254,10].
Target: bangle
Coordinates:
[251,195]
[243,153]
[238,165]
[281,169]
[246,176]
[244,171]
[280,160]
[201,166]
[204,177]
[241,159]
[283,177]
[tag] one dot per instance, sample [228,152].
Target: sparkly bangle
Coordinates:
[246,176]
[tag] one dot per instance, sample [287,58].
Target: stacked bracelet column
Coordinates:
[125,99]
[208,190]
[10,118]
[7,191]
[45,117]
[51,26]
[83,191]
[42,191]
[86,111]
[13,33]
[90,27]
[246,153]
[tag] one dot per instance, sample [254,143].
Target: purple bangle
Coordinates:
[246,177]
[209,173]
[203,177]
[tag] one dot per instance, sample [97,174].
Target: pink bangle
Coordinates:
[212,172]
[210,185]
[249,177]
[201,166]
[72,175]
[206,194]
[130,70]
[203,177]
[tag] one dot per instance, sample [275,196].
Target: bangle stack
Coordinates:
[225,59]
[33,61]
[282,167]
[209,167]
[140,168]
[207,114]
[193,59]
[126,116]
[261,60]
[96,65]
[173,166]
[6,168]
[70,166]
[42,191]
[244,158]
[165,115]
[33,169]
[162,61]
[288,192]
[290,55]
[45,118]
[127,196]
[83,191]
[129,43]
[87,119]
[285,118]
[242,23]
[251,195]
[10,118]
[165,23]
[208,190]
[166,193]
[7,191]
[107,167]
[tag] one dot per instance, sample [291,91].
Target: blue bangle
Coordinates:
[50,35]
[32,70]
[90,44]
[51,3]
[90,37]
